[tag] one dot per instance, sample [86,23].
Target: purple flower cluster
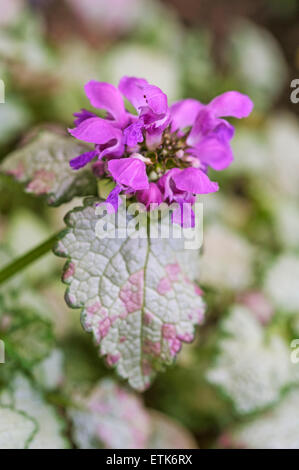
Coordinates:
[161,153]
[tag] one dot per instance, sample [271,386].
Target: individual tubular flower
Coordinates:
[161,153]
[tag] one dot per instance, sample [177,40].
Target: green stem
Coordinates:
[13,268]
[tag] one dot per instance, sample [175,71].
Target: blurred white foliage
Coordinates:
[282,283]
[275,429]
[49,372]
[250,153]
[251,367]
[112,418]
[23,397]
[10,11]
[14,118]
[286,215]
[259,61]
[78,63]
[113,16]
[283,158]
[16,429]
[227,259]
[24,42]
[232,211]
[158,66]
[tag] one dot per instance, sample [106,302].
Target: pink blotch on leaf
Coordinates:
[70,271]
[92,310]
[146,368]
[106,435]
[173,271]
[259,305]
[71,299]
[17,172]
[42,182]
[148,318]
[164,286]
[186,337]
[104,328]
[99,406]
[175,346]
[112,359]
[131,293]
[152,347]
[198,290]
[168,331]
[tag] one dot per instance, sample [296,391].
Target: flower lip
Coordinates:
[105,96]
[231,103]
[195,181]
[129,172]
[143,96]
[108,139]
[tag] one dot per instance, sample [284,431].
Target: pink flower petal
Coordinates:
[132,89]
[152,195]
[105,96]
[231,103]
[142,95]
[183,113]
[102,133]
[129,172]
[96,130]
[195,181]
[213,152]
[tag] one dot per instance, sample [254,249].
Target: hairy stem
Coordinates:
[15,266]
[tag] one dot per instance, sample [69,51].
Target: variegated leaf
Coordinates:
[22,397]
[49,373]
[43,165]
[110,417]
[28,337]
[16,429]
[275,429]
[138,294]
[253,366]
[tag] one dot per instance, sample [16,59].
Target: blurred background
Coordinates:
[236,385]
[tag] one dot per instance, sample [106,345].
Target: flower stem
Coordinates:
[13,268]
